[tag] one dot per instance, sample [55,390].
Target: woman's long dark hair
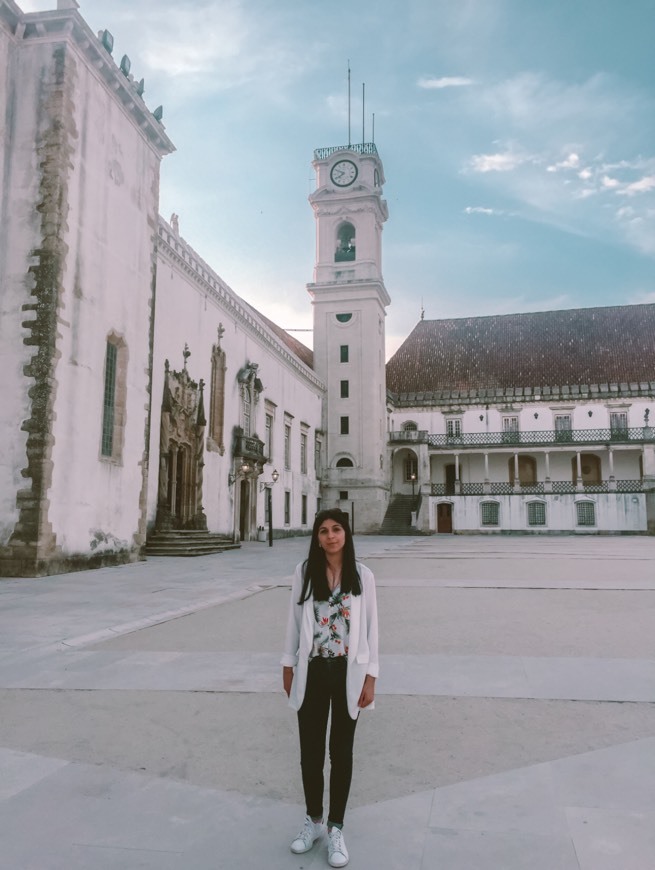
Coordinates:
[315,567]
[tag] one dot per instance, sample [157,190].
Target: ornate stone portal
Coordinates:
[181,460]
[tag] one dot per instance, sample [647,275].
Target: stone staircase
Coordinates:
[187,542]
[398,518]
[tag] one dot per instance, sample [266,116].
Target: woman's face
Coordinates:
[331,537]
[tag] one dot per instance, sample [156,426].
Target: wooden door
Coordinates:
[444,518]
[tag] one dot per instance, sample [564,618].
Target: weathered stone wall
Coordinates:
[81,184]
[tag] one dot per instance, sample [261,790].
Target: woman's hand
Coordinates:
[287,679]
[368,692]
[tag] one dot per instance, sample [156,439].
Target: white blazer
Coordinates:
[362,641]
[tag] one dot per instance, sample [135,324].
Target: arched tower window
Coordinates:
[344,463]
[409,426]
[345,243]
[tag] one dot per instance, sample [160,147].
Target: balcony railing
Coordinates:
[543,438]
[248,447]
[556,487]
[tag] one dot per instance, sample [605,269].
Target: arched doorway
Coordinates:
[181,458]
[527,470]
[244,511]
[590,468]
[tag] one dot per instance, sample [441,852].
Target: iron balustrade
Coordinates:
[557,487]
[629,486]
[543,438]
[563,487]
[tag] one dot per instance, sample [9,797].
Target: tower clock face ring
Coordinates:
[343,173]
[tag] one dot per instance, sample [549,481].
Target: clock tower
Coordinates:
[349,300]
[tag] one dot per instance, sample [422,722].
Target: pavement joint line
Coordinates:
[156,619]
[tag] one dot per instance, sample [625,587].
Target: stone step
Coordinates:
[157,549]
[188,542]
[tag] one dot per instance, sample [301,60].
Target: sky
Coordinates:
[517,138]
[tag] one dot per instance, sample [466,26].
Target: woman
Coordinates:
[330,660]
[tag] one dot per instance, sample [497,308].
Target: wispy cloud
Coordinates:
[502,161]
[571,162]
[643,185]
[434,83]
[480,209]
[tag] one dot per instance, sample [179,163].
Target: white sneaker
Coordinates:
[337,852]
[307,837]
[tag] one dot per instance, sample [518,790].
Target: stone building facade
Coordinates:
[140,393]
[529,423]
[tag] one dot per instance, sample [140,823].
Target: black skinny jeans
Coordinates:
[326,686]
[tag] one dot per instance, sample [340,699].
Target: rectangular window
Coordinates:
[345,389]
[247,410]
[303,453]
[489,513]
[345,425]
[318,449]
[454,428]
[287,507]
[287,445]
[586,512]
[303,517]
[619,425]
[343,495]
[269,437]
[510,430]
[343,353]
[411,469]
[536,513]
[109,400]
[563,427]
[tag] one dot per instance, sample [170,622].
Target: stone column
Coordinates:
[548,486]
[173,478]
[648,462]
[578,472]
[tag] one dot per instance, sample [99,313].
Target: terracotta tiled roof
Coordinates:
[297,347]
[547,348]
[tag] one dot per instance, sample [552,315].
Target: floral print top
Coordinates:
[332,625]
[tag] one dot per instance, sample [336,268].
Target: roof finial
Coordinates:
[422,309]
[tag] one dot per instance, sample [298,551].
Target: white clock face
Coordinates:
[343,173]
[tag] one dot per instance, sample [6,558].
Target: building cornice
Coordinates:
[566,393]
[358,289]
[178,252]
[67,25]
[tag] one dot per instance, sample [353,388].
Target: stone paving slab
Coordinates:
[77,735]
[579,679]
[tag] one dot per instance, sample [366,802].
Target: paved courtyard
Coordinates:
[143,723]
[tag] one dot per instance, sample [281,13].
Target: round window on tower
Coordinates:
[344,318]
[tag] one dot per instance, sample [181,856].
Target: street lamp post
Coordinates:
[275,476]
[413,479]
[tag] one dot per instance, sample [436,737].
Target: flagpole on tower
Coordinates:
[349,103]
